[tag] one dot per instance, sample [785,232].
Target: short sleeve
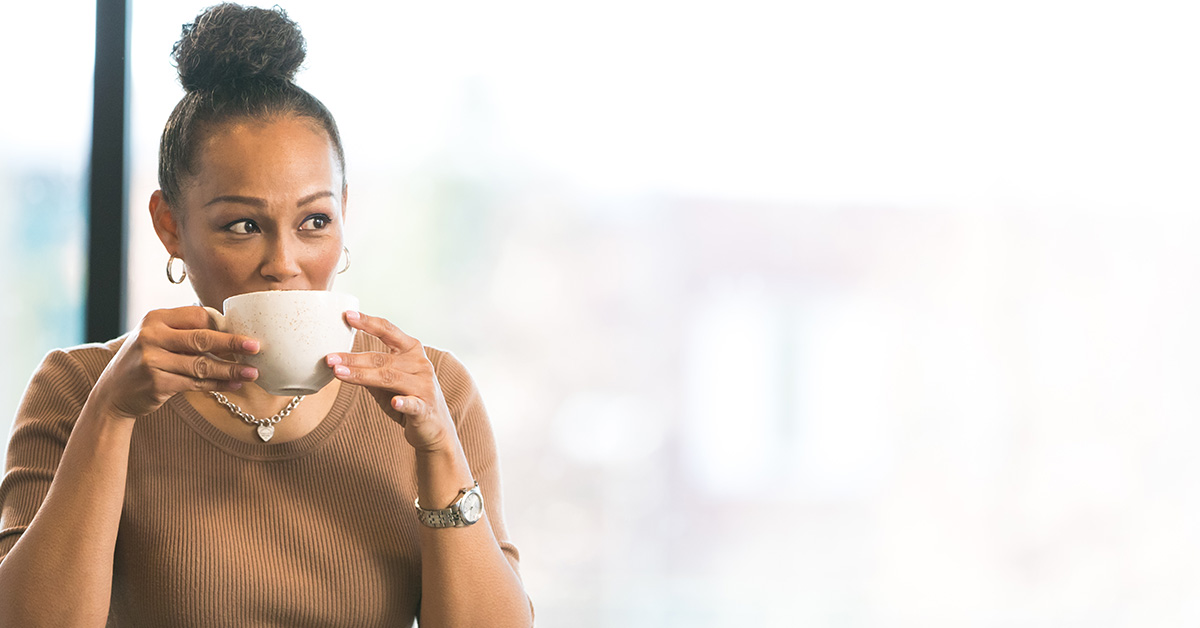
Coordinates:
[44,420]
[478,441]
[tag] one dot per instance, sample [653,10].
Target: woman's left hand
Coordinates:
[402,380]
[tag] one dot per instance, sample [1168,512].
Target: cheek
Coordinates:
[215,264]
[325,259]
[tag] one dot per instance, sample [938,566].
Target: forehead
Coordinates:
[251,154]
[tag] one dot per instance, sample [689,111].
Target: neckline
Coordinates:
[347,394]
[269,451]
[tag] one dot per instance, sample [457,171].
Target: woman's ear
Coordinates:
[165,224]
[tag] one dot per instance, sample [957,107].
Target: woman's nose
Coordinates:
[281,262]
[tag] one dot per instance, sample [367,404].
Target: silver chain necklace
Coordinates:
[266,427]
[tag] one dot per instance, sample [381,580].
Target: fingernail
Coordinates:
[333,360]
[397,402]
[233,385]
[250,345]
[249,372]
[341,371]
[352,315]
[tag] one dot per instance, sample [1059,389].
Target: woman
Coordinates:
[157,504]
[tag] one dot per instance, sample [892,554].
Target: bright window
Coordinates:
[44,149]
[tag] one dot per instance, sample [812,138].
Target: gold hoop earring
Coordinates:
[171,270]
[347,266]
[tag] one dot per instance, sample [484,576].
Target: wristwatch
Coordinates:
[466,510]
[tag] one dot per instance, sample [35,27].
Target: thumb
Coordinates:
[408,405]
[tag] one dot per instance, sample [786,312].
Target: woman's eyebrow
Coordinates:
[312,197]
[258,202]
[245,200]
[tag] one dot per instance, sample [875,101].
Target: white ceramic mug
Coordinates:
[295,329]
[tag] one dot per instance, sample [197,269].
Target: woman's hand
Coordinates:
[402,380]
[171,351]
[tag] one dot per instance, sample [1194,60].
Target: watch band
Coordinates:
[454,516]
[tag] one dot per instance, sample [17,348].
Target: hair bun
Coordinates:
[230,45]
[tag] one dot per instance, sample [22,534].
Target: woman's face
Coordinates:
[264,210]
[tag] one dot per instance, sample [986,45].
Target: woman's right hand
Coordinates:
[171,351]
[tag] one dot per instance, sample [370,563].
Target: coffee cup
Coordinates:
[295,329]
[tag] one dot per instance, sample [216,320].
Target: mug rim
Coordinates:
[261,294]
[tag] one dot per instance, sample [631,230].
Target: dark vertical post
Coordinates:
[108,188]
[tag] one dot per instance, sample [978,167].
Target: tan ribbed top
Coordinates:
[318,531]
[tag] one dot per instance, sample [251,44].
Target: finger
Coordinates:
[183,383]
[409,405]
[189,319]
[186,317]
[364,359]
[383,329]
[203,367]
[391,379]
[197,341]
[378,360]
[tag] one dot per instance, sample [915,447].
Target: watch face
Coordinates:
[472,507]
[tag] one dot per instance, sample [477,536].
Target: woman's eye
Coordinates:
[242,227]
[313,223]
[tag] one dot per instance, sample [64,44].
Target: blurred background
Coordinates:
[786,313]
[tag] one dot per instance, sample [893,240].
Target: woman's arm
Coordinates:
[59,571]
[466,579]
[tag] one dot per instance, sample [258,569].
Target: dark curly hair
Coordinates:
[235,62]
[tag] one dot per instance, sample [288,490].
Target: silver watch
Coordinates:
[466,510]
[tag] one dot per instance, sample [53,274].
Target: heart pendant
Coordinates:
[266,431]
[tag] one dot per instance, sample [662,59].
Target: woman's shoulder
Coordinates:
[62,382]
[90,358]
